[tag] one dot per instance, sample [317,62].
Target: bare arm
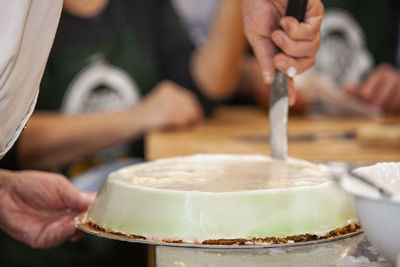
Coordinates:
[85,9]
[53,139]
[216,64]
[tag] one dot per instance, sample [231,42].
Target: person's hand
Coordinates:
[38,208]
[299,42]
[380,88]
[170,106]
[253,83]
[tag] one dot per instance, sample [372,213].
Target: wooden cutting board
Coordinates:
[245,130]
[379,135]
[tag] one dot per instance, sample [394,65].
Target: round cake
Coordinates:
[205,198]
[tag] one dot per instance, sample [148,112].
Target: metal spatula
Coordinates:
[279,97]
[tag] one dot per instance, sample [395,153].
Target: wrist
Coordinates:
[136,121]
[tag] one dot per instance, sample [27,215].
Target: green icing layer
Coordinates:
[195,216]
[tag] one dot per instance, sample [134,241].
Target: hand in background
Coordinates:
[263,20]
[38,208]
[381,88]
[170,106]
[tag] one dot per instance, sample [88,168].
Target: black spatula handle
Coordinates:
[296,9]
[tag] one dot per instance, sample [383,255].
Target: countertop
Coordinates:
[244,130]
[353,251]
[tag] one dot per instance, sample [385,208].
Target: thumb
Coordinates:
[265,51]
[76,200]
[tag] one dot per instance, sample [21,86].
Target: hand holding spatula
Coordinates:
[285,36]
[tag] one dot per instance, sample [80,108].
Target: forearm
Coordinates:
[52,139]
[5,176]
[3,183]
[250,76]
[216,64]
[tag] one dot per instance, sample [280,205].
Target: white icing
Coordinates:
[278,140]
[223,173]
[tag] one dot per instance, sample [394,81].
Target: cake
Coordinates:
[222,199]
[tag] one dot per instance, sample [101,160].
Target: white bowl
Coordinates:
[379,216]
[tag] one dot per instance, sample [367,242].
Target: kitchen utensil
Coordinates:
[378,215]
[279,98]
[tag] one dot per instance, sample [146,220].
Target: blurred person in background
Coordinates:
[122,68]
[355,66]
[380,86]
[119,75]
[357,56]
[117,70]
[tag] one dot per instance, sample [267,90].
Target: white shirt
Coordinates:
[27,29]
[197,16]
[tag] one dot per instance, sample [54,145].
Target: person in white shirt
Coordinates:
[38,208]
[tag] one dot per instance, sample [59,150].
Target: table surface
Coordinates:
[244,130]
[354,251]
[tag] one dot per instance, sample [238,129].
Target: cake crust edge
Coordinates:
[302,238]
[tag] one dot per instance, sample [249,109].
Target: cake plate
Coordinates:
[87,228]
